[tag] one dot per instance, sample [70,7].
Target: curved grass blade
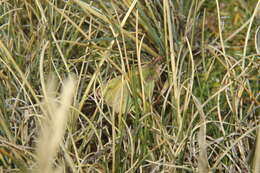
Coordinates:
[257,40]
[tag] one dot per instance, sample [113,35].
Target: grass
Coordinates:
[199,113]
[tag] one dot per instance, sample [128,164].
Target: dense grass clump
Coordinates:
[129,86]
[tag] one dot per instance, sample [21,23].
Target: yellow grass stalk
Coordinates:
[54,125]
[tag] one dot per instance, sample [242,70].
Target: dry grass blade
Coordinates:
[256,159]
[256,10]
[128,13]
[10,59]
[54,125]
[257,40]
[90,9]
[203,165]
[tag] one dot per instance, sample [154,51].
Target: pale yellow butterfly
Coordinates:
[116,92]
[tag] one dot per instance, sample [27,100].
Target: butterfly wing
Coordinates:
[116,93]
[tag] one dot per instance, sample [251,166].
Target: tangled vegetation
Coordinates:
[129,86]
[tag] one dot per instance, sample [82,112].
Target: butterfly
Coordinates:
[117,92]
